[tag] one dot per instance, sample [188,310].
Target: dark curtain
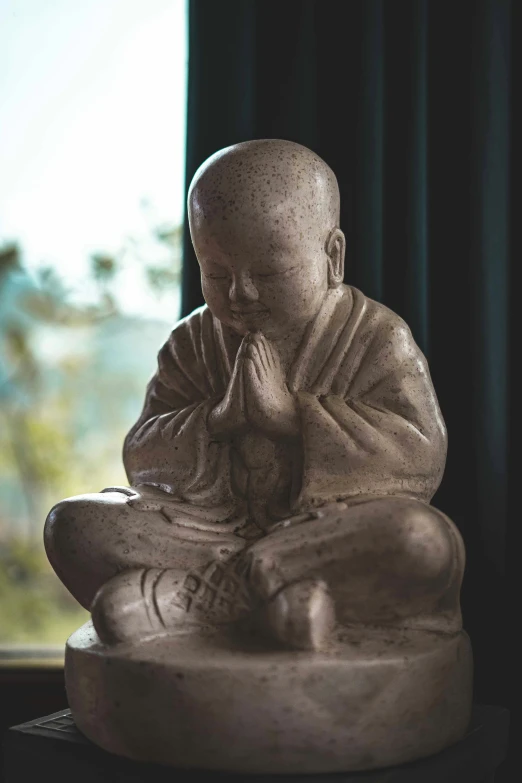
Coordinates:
[411,103]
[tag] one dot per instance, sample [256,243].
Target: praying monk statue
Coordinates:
[273,592]
[289,444]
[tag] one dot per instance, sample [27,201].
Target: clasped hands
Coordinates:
[257,394]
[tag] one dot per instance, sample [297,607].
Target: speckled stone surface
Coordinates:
[375,699]
[280,478]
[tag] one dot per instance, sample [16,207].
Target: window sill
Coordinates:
[30,657]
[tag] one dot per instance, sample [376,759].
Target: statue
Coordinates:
[277,529]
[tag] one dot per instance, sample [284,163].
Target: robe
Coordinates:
[370,423]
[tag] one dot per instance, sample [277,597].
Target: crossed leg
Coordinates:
[386,560]
[381,560]
[91,538]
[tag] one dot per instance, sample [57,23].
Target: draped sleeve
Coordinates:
[170,446]
[375,426]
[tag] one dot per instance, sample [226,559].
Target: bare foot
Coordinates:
[302,615]
[144,602]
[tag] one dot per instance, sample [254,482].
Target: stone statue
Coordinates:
[277,523]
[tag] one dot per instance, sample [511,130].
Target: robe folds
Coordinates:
[370,423]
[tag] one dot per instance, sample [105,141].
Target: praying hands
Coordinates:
[257,394]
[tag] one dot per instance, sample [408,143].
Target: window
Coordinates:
[92,145]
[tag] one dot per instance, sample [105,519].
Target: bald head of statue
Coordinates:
[264,221]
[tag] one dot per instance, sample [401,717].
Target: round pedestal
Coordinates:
[224,702]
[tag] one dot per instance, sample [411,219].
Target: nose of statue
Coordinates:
[242,289]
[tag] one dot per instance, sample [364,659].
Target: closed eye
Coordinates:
[216,273]
[278,273]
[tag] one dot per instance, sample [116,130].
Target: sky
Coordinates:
[92,133]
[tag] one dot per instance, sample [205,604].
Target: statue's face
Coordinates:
[261,273]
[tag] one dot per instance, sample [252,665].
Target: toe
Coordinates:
[302,615]
[119,611]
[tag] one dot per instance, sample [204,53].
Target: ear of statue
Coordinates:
[335,250]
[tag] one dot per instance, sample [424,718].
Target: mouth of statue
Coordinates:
[250,313]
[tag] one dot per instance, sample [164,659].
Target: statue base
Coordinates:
[223,700]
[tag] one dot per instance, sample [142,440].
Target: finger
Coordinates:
[255,355]
[235,382]
[270,353]
[261,354]
[245,342]
[236,369]
[241,387]
[254,340]
[277,361]
[259,339]
[251,352]
[264,354]
[252,372]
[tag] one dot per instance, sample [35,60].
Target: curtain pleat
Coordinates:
[222,46]
[410,102]
[368,115]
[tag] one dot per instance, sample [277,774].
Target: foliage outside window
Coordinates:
[79,331]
